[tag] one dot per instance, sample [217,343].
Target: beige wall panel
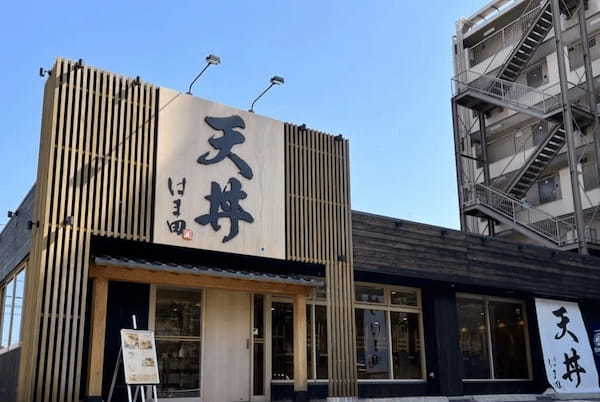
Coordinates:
[183,136]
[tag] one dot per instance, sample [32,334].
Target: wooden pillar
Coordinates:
[300,363]
[97,333]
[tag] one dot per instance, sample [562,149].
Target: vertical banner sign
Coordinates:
[139,357]
[568,357]
[220,178]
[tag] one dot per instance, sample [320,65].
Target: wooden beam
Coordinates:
[98,329]
[155,277]
[300,364]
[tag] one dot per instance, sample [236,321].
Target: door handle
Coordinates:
[247,343]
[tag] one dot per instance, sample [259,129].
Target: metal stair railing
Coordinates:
[511,34]
[558,231]
[523,50]
[552,134]
[511,93]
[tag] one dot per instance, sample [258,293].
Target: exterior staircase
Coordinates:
[483,93]
[537,162]
[483,201]
[524,50]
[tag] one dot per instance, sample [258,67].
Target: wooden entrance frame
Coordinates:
[102,274]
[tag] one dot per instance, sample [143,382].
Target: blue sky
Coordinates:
[376,71]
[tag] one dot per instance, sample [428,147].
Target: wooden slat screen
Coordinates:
[95,177]
[318,227]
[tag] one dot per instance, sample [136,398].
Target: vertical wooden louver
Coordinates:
[318,227]
[95,177]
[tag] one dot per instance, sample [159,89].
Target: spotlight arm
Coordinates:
[189,92]
[260,96]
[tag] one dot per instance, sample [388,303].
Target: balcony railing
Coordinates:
[541,101]
[559,231]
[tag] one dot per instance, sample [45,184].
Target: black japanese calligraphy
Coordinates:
[564,320]
[177,191]
[572,367]
[177,226]
[225,204]
[226,142]
[180,187]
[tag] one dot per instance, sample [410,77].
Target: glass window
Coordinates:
[549,189]
[473,339]
[7,304]
[508,340]
[389,338]
[178,342]
[321,341]
[406,345]
[282,341]
[178,313]
[404,297]
[501,324]
[258,336]
[12,309]
[372,345]
[368,294]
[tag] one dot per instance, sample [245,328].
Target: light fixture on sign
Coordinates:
[275,80]
[211,59]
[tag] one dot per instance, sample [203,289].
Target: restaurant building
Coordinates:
[232,237]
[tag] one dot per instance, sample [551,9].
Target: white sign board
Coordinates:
[220,178]
[568,357]
[139,357]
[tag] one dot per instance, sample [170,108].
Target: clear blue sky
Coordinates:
[376,71]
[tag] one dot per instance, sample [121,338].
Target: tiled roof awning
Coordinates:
[193,269]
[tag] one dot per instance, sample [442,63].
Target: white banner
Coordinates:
[139,357]
[568,357]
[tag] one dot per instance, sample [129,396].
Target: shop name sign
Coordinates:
[220,178]
[568,357]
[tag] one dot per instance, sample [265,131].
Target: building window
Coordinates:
[283,337]
[389,334]
[493,338]
[549,189]
[12,310]
[178,329]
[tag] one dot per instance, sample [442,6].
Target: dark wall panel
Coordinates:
[15,238]
[124,300]
[9,370]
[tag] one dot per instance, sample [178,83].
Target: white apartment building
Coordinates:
[526,121]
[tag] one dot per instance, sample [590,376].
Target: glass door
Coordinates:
[178,332]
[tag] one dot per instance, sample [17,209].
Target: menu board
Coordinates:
[139,357]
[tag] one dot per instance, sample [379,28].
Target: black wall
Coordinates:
[15,238]
[124,300]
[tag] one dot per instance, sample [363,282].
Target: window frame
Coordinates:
[486,299]
[388,307]
[12,277]
[311,302]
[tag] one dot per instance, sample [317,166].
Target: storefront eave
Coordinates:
[194,280]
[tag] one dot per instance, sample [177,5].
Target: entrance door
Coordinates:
[227,348]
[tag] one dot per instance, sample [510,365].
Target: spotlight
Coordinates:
[211,59]
[275,80]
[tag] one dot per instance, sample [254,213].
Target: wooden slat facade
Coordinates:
[94,172]
[318,228]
